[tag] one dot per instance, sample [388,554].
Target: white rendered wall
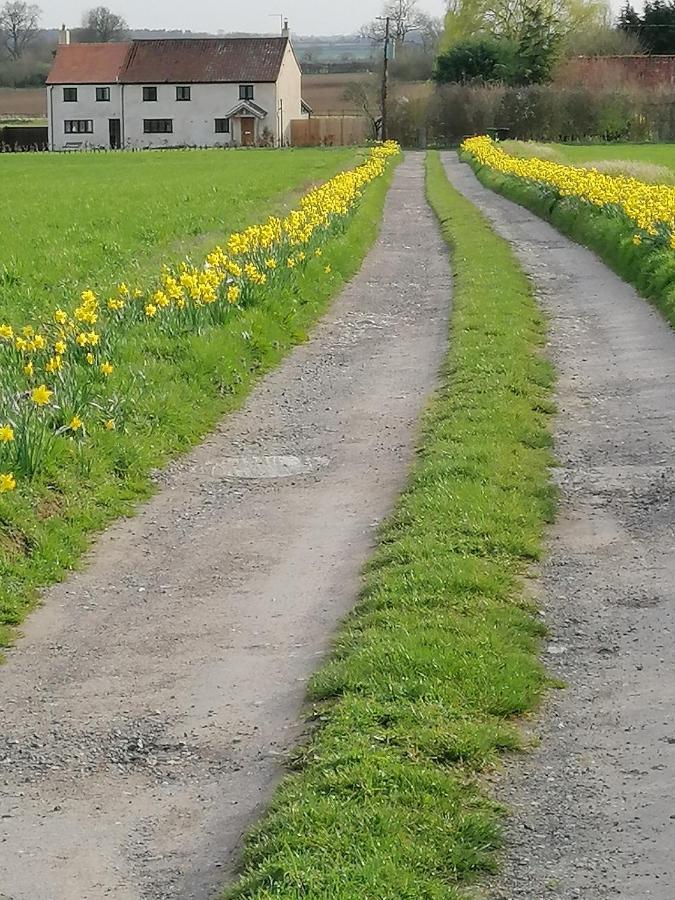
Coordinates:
[86,107]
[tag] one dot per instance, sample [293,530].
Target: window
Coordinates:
[158,126]
[222,126]
[183,93]
[70,95]
[79,126]
[246,92]
[102,95]
[149,94]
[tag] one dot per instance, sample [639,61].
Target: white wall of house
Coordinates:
[85,108]
[289,94]
[194,120]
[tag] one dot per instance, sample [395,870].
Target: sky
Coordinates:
[305,16]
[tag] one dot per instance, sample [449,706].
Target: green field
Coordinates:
[80,221]
[170,386]
[657,154]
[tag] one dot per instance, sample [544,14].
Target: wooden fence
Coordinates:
[330,131]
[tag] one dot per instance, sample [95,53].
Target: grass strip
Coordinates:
[607,233]
[183,389]
[440,656]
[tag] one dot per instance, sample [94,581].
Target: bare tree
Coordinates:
[19,26]
[366,96]
[405,17]
[101,26]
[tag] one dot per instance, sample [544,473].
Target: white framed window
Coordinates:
[149,94]
[246,92]
[158,126]
[183,92]
[222,126]
[79,126]
[102,94]
[70,95]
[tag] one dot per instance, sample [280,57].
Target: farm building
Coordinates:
[212,92]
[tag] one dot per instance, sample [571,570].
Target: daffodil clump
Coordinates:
[650,208]
[58,377]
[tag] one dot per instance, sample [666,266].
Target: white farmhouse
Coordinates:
[213,92]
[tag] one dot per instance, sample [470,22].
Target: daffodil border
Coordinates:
[55,374]
[650,208]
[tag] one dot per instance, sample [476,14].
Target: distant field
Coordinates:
[25,103]
[659,154]
[91,220]
[325,93]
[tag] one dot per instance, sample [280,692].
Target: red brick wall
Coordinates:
[651,71]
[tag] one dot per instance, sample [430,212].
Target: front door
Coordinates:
[247,131]
[115,127]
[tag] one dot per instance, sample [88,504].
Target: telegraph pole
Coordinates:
[385,76]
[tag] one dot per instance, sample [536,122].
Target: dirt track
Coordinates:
[594,813]
[145,714]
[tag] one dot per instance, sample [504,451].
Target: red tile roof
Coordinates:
[203,61]
[88,63]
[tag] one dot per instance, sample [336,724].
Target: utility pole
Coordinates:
[385,76]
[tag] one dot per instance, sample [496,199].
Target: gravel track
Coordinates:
[593,806]
[147,711]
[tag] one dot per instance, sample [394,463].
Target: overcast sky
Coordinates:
[305,16]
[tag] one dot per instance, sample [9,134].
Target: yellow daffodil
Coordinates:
[28,369]
[6,332]
[106,368]
[41,396]
[150,310]
[109,424]
[6,434]
[75,423]
[91,359]
[60,317]
[7,482]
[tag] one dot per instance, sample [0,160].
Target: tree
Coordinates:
[476,59]
[405,17]
[538,43]
[658,26]
[101,26]
[19,26]
[366,96]
[655,28]
[629,20]
[505,18]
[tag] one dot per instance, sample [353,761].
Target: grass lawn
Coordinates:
[441,654]
[172,386]
[76,221]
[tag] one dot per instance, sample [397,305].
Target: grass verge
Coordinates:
[181,388]
[609,235]
[441,653]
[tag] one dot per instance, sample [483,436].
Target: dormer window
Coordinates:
[246,92]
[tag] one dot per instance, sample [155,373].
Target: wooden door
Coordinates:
[247,131]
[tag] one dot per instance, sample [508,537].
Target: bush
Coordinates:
[537,113]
